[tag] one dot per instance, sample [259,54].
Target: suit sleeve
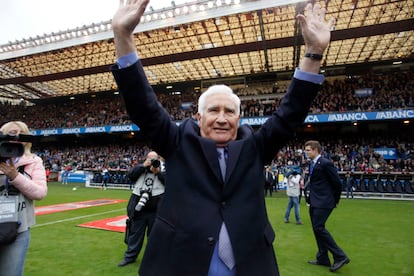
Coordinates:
[291,114]
[144,109]
[334,181]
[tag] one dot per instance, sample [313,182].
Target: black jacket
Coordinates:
[325,185]
[196,199]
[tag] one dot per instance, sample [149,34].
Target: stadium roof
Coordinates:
[205,41]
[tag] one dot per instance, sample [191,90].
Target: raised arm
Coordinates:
[316,33]
[125,20]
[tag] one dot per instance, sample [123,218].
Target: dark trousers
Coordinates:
[268,188]
[105,182]
[324,240]
[301,192]
[141,222]
[349,190]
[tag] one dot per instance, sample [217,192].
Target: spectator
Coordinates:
[65,174]
[269,181]
[294,176]
[349,185]
[105,178]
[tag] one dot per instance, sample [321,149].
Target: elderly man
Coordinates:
[213,219]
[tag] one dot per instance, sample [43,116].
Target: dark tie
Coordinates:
[311,167]
[225,250]
[222,157]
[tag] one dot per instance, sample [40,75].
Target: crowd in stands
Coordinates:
[356,154]
[116,157]
[352,154]
[96,112]
[390,91]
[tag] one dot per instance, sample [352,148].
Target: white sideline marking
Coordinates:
[76,218]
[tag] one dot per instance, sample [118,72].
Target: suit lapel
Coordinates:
[234,149]
[210,152]
[316,167]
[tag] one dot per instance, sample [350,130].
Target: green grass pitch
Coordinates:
[377,235]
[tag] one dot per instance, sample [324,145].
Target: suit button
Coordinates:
[210,240]
[223,204]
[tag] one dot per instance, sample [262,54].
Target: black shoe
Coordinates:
[337,265]
[124,263]
[316,262]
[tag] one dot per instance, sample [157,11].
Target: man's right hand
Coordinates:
[316,33]
[126,18]
[315,30]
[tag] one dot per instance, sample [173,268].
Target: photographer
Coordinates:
[23,179]
[143,203]
[293,174]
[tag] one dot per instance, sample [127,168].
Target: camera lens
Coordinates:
[142,201]
[155,163]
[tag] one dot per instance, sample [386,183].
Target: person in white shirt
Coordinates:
[293,191]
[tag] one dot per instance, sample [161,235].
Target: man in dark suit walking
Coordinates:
[325,191]
[213,219]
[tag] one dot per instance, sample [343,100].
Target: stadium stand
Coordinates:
[393,91]
[52,85]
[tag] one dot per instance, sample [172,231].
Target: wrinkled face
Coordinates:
[311,153]
[220,119]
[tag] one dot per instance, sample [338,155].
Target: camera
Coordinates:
[145,195]
[288,171]
[155,163]
[12,146]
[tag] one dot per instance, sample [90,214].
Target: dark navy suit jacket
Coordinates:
[325,185]
[196,199]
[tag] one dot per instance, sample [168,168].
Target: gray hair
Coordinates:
[218,89]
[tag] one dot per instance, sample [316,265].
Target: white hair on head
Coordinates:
[218,89]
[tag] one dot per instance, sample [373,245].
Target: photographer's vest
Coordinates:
[145,181]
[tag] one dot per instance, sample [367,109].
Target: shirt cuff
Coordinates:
[127,60]
[306,76]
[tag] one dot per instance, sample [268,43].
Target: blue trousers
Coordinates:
[13,256]
[293,202]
